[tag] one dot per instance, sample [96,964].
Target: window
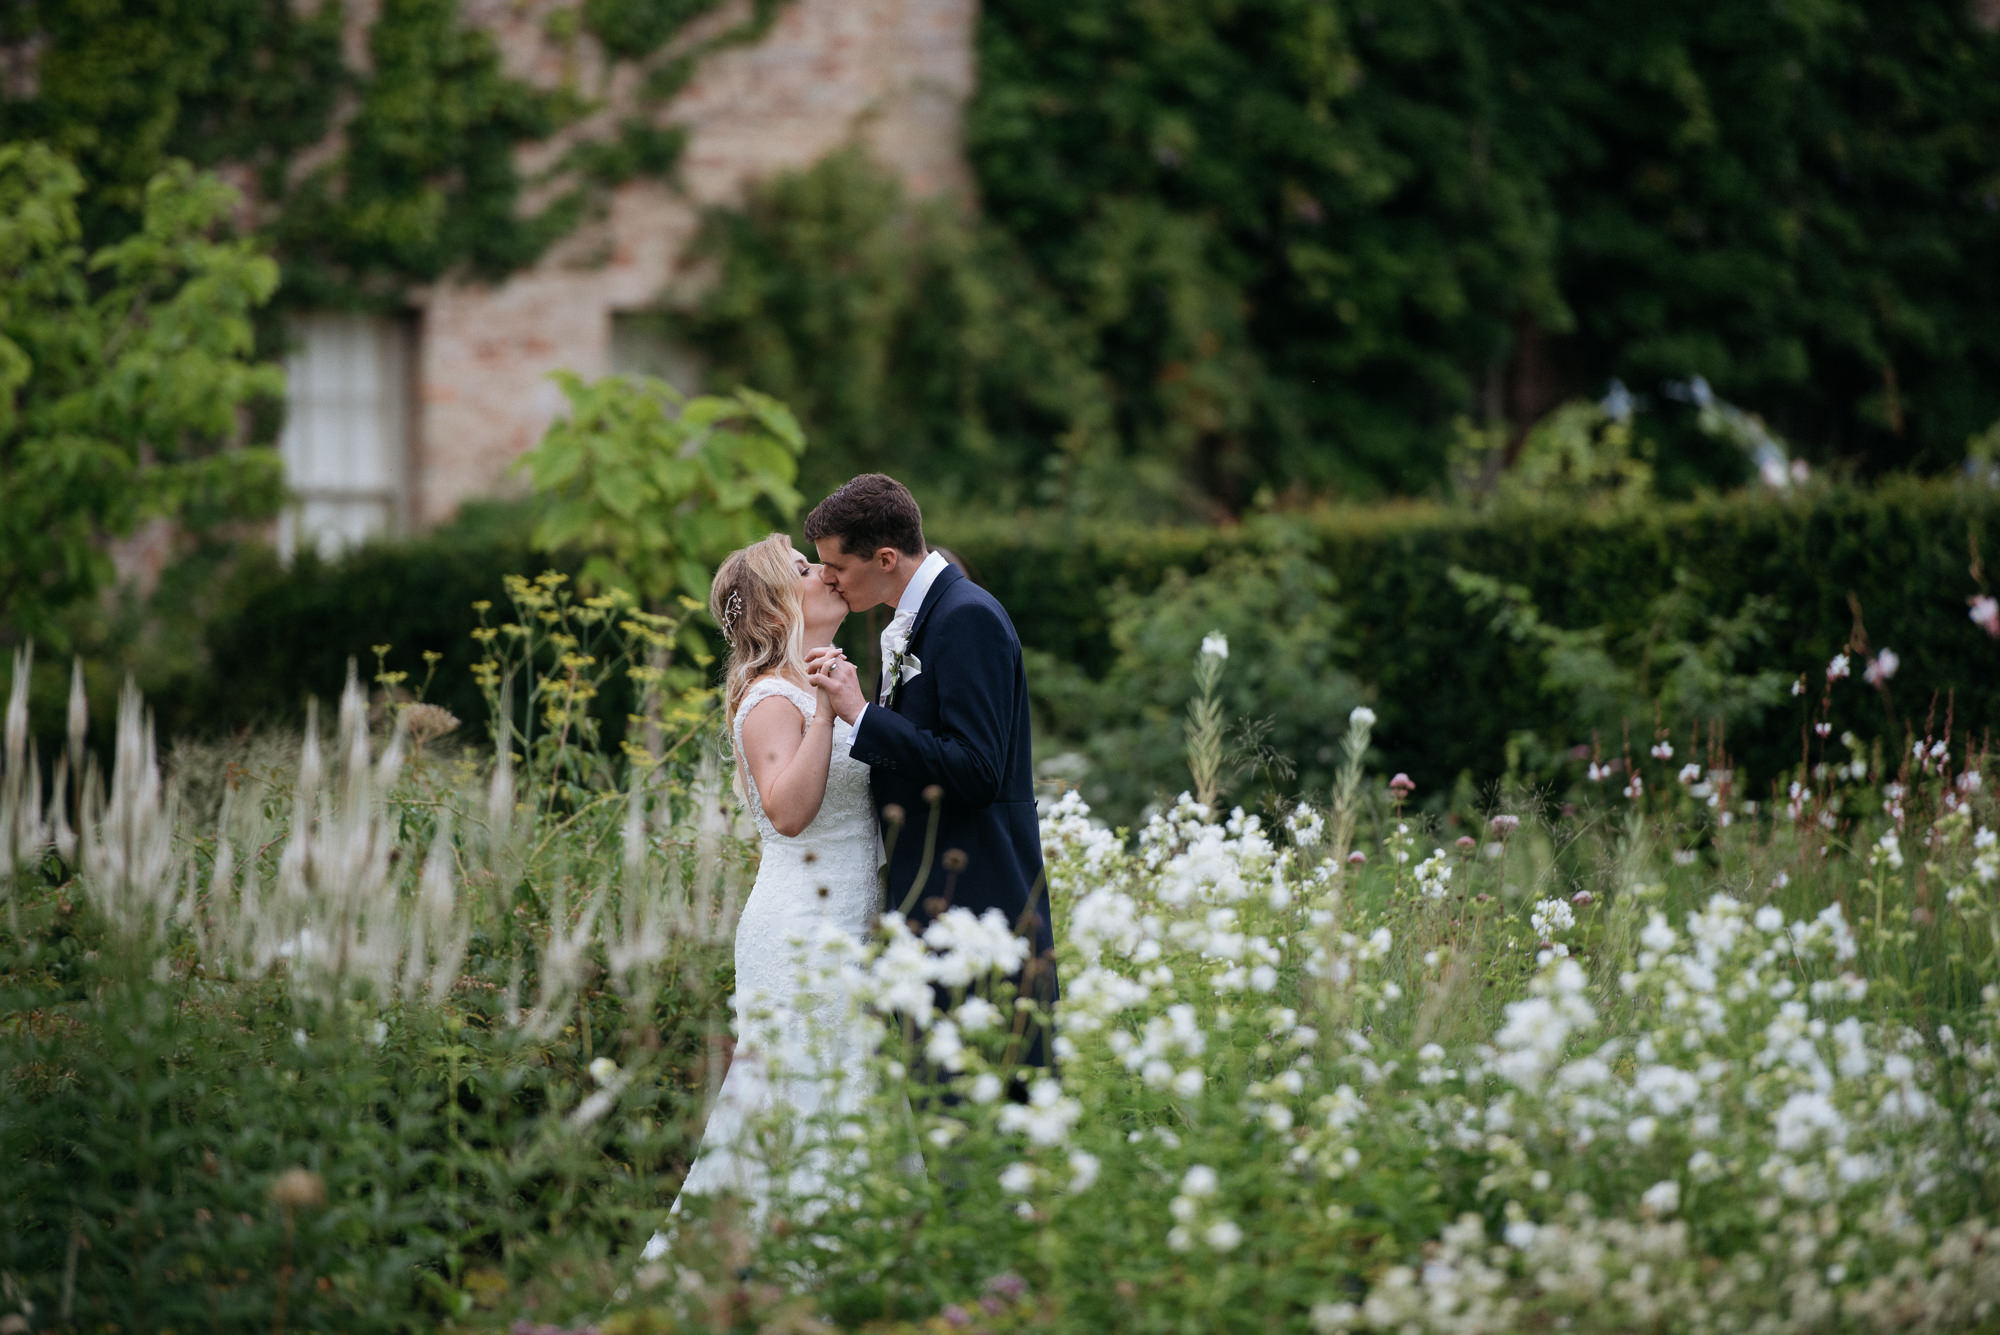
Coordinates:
[346,442]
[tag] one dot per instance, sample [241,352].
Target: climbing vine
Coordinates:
[372,177]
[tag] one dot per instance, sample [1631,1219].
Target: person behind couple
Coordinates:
[800,1041]
[947,734]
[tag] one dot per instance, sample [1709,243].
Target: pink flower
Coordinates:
[1402,785]
[1356,858]
[1882,667]
[1505,825]
[1583,899]
[1465,841]
[1986,615]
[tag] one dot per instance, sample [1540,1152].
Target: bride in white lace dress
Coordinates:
[802,1048]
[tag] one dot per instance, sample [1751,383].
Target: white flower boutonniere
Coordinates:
[903,665]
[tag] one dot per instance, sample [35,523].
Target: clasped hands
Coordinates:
[829,672]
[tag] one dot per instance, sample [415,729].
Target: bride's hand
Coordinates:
[835,678]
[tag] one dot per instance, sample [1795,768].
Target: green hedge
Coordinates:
[288,633]
[1449,691]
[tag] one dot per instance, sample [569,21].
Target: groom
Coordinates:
[946,737]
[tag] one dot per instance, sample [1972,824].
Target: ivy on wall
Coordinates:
[1394,214]
[422,179]
[1299,245]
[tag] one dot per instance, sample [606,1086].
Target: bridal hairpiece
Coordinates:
[732,612]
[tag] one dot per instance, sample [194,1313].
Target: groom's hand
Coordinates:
[828,669]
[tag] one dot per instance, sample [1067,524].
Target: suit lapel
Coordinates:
[945,579]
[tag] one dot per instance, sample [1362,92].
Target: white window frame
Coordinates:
[348,438]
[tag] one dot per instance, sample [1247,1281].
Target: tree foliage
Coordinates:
[1238,246]
[1391,213]
[657,487]
[372,177]
[123,375]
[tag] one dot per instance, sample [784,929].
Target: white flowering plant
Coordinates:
[1675,1061]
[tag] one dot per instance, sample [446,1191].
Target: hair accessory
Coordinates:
[732,612]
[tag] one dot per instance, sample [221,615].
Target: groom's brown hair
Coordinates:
[867,514]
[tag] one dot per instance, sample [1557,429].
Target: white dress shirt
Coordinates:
[907,607]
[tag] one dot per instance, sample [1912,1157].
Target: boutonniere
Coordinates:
[903,665]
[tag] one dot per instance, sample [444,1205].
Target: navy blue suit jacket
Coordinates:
[962,724]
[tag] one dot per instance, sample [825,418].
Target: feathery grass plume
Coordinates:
[21,837]
[130,865]
[1204,721]
[565,966]
[642,941]
[1347,785]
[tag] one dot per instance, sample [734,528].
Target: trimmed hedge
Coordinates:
[1449,691]
[290,633]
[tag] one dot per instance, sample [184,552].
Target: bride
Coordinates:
[800,1044]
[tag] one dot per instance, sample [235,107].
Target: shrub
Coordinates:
[1823,569]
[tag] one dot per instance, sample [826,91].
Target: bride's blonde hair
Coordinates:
[755,599]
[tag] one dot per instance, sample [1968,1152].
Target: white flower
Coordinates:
[1333,1318]
[1046,1117]
[1641,1130]
[1882,667]
[1361,716]
[1662,1198]
[986,1087]
[970,948]
[975,1015]
[1200,1181]
[1663,750]
[1215,645]
[1837,668]
[943,1047]
[1223,1235]
[603,1070]
[1083,1170]
[1551,916]
[1017,1179]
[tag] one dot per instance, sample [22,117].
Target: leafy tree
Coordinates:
[1386,215]
[913,341]
[656,486]
[124,373]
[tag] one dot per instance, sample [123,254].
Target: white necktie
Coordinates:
[892,638]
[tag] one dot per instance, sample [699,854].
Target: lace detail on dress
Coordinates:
[801,1044]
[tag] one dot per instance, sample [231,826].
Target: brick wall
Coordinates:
[891,74]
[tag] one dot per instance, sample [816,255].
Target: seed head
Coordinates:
[298,1189]
[933,794]
[955,859]
[893,813]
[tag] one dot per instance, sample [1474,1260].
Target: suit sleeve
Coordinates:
[974,659]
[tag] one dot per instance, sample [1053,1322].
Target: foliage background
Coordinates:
[1228,249]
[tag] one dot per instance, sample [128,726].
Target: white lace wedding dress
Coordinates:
[802,1048]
